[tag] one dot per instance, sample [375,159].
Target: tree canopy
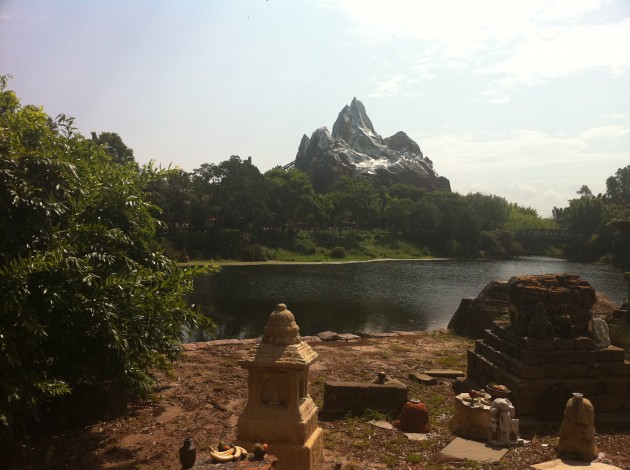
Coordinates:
[86,294]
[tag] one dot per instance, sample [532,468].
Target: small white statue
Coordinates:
[503,425]
[601,334]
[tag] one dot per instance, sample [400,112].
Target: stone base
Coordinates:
[292,456]
[468,422]
[542,373]
[356,397]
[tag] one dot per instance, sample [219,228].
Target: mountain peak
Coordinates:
[353,122]
[354,148]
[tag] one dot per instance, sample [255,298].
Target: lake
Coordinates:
[375,296]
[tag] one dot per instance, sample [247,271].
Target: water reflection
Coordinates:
[370,297]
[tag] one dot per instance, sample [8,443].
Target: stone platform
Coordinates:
[204,462]
[356,397]
[541,372]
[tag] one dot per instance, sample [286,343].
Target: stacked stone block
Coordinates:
[567,298]
[531,367]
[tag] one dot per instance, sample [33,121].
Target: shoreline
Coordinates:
[274,262]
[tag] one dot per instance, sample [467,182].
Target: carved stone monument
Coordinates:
[546,352]
[577,433]
[279,408]
[504,429]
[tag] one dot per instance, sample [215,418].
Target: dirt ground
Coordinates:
[207,390]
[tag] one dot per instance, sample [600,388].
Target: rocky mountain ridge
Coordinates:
[354,148]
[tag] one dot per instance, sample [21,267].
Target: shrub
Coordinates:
[338,252]
[88,300]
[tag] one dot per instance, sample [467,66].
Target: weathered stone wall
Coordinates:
[536,370]
[475,315]
[567,299]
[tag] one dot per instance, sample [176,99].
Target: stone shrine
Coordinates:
[577,433]
[542,372]
[279,408]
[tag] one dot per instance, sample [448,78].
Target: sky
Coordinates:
[528,100]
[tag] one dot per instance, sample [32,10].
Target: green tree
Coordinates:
[618,186]
[114,146]
[491,211]
[86,295]
[356,202]
[241,195]
[292,199]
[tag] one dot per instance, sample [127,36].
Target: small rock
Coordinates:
[347,336]
[446,373]
[381,424]
[416,436]
[328,336]
[363,334]
[311,339]
[422,378]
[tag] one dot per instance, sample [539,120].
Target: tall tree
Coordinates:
[114,146]
[87,297]
[292,199]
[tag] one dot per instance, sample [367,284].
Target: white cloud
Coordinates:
[556,52]
[514,43]
[394,85]
[531,168]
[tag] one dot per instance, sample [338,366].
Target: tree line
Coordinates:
[602,221]
[232,210]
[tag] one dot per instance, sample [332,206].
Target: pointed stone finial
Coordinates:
[281,327]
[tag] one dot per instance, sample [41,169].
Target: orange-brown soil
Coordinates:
[206,391]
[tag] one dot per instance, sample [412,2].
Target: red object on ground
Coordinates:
[414,417]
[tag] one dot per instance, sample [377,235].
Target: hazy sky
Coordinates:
[528,100]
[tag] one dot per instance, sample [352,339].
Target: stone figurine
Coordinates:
[504,429]
[601,335]
[577,432]
[539,326]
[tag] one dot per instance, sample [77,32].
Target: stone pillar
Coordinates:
[279,408]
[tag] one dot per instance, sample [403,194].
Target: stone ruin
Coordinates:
[542,360]
[279,408]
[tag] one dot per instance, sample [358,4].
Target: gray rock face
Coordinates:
[355,149]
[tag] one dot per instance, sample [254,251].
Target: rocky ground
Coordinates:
[207,390]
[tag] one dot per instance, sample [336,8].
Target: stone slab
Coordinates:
[347,336]
[563,464]
[460,449]
[446,373]
[328,336]
[422,378]
[416,436]
[356,397]
[311,339]
[381,424]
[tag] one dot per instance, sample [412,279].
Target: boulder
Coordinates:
[477,314]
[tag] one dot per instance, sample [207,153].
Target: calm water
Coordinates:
[371,297]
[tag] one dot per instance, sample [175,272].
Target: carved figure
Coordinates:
[601,336]
[577,433]
[539,326]
[503,426]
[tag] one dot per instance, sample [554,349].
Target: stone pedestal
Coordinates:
[279,409]
[356,397]
[470,422]
[542,373]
